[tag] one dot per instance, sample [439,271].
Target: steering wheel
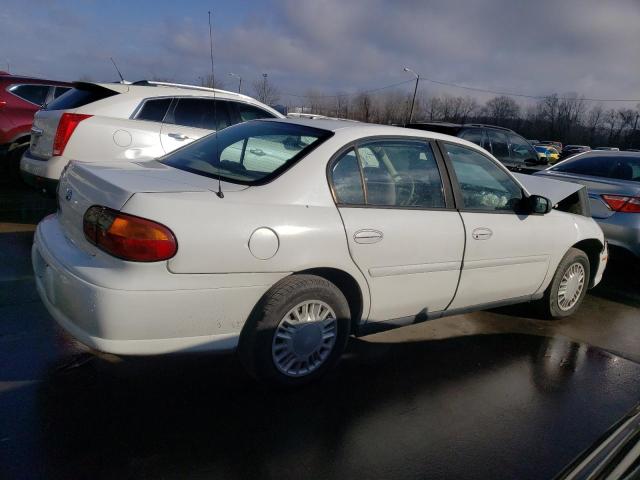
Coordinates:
[405,189]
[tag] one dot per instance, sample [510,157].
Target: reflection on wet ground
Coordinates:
[488,395]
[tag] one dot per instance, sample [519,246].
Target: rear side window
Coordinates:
[396,173]
[499,145]
[249,112]
[615,167]
[347,182]
[78,97]
[60,90]
[36,94]
[473,135]
[154,110]
[201,113]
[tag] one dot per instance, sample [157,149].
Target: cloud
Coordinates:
[582,46]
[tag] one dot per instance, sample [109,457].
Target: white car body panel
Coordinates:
[201,298]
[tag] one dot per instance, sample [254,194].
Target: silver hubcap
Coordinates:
[304,338]
[571,286]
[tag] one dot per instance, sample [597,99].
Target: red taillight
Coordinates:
[66,126]
[621,203]
[127,236]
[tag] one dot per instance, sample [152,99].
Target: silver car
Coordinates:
[613,181]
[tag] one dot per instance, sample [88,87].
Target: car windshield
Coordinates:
[250,153]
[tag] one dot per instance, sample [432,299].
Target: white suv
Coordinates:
[139,121]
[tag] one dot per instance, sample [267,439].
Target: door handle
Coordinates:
[481,234]
[36,131]
[367,236]
[178,136]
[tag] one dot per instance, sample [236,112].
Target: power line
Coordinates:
[463,87]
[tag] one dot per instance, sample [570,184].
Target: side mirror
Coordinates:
[539,204]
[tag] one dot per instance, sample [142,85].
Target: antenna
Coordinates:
[215,116]
[117,70]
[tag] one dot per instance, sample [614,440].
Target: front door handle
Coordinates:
[179,136]
[367,236]
[481,234]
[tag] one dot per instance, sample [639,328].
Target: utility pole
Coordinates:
[633,132]
[264,87]
[415,90]
[235,75]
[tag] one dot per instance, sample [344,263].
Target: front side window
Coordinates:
[36,94]
[248,153]
[396,173]
[499,144]
[249,112]
[203,113]
[154,110]
[521,150]
[483,184]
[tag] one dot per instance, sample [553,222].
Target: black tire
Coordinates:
[255,348]
[13,164]
[548,304]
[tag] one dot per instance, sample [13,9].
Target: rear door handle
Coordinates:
[367,236]
[481,234]
[179,136]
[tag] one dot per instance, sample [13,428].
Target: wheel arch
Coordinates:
[592,247]
[349,287]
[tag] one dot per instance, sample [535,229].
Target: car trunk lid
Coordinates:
[111,185]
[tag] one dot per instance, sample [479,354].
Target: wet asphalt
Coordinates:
[494,394]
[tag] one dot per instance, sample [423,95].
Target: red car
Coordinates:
[20,99]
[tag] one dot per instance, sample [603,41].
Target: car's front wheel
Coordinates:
[296,332]
[568,287]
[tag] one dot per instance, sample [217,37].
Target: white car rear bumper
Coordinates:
[50,169]
[142,321]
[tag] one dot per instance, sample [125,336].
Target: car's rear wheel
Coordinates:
[568,287]
[296,332]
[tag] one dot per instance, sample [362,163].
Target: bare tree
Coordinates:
[265,91]
[501,109]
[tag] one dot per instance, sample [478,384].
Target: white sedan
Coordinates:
[281,238]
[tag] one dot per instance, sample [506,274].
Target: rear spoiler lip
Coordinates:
[91,86]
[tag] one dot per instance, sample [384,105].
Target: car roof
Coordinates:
[7,77]
[369,129]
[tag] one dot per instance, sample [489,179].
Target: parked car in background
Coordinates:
[280,238]
[533,142]
[20,98]
[547,153]
[557,145]
[511,149]
[608,149]
[543,153]
[113,121]
[569,150]
[613,182]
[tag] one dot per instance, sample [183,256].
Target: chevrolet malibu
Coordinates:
[280,239]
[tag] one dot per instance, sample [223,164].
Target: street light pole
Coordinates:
[239,80]
[415,91]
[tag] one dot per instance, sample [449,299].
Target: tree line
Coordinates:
[570,119]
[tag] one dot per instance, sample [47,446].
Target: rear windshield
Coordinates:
[250,153]
[78,97]
[617,167]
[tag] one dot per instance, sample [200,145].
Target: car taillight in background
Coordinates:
[621,203]
[127,236]
[66,126]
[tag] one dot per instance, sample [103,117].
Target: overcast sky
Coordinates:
[590,47]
